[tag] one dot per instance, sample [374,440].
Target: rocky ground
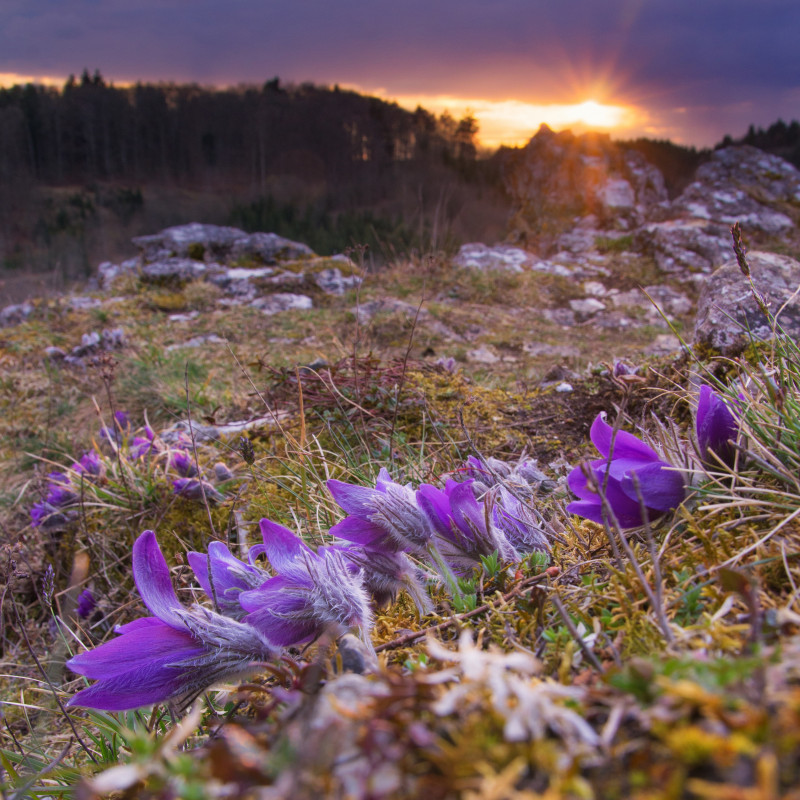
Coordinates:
[617,296]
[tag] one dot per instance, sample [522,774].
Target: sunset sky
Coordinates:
[687,70]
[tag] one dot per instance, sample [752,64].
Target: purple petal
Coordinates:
[468,514]
[383,480]
[353,499]
[716,424]
[86,603]
[272,607]
[588,509]
[625,445]
[360,530]
[199,564]
[143,686]
[133,649]
[281,545]
[151,575]
[436,506]
[142,622]
[275,594]
[579,484]
[627,511]
[283,632]
[661,487]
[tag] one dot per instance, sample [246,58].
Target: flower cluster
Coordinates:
[63,492]
[63,488]
[178,652]
[173,654]
[631,485]
[450,529]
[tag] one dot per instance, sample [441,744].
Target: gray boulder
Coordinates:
[275,303]
[331,281]
[501,257]
[728,315]
[268,248]
[557,177]
[219,243]
[685,245]
[14,315]
[193,240]
[742,184]
[172,271]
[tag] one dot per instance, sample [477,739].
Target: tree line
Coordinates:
[189,135]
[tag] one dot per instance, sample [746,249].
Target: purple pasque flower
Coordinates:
[115,432]
[195,489]
[183,463]
[385,573]
[229,575]
[86,604]
[717,428]
[89,465]
[490,472]
[61,494]
[626,462]
[60,491]
[173,654]
[464,530]
[383,518]
[310,594]
[518,523]
[142,446]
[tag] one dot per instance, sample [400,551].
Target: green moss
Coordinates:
[197,251]
[614,244]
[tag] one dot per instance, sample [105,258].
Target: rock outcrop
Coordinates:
[585,194]
[558,177]
[728,315]
[249,268]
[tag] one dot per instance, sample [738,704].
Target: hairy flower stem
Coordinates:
[444,570]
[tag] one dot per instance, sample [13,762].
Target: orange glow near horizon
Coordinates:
[513,122]
[15,79]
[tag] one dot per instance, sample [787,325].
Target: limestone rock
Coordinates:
[586,307]
[331,281]
[685,245]
[483,355]
[557,177]
[14,315]
[501,257]
[280,301]
[742,184]
[183,241]
[670,301]
[107,272]
[727,313]
[172,271]
[268,248]
[216,242]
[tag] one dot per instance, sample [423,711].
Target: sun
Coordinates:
[598,115]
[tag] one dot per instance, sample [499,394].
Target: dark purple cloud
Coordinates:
[735,62]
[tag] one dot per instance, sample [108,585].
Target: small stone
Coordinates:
[331,281]
[586,307]
[483,355]
[564,388]
[275,303]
